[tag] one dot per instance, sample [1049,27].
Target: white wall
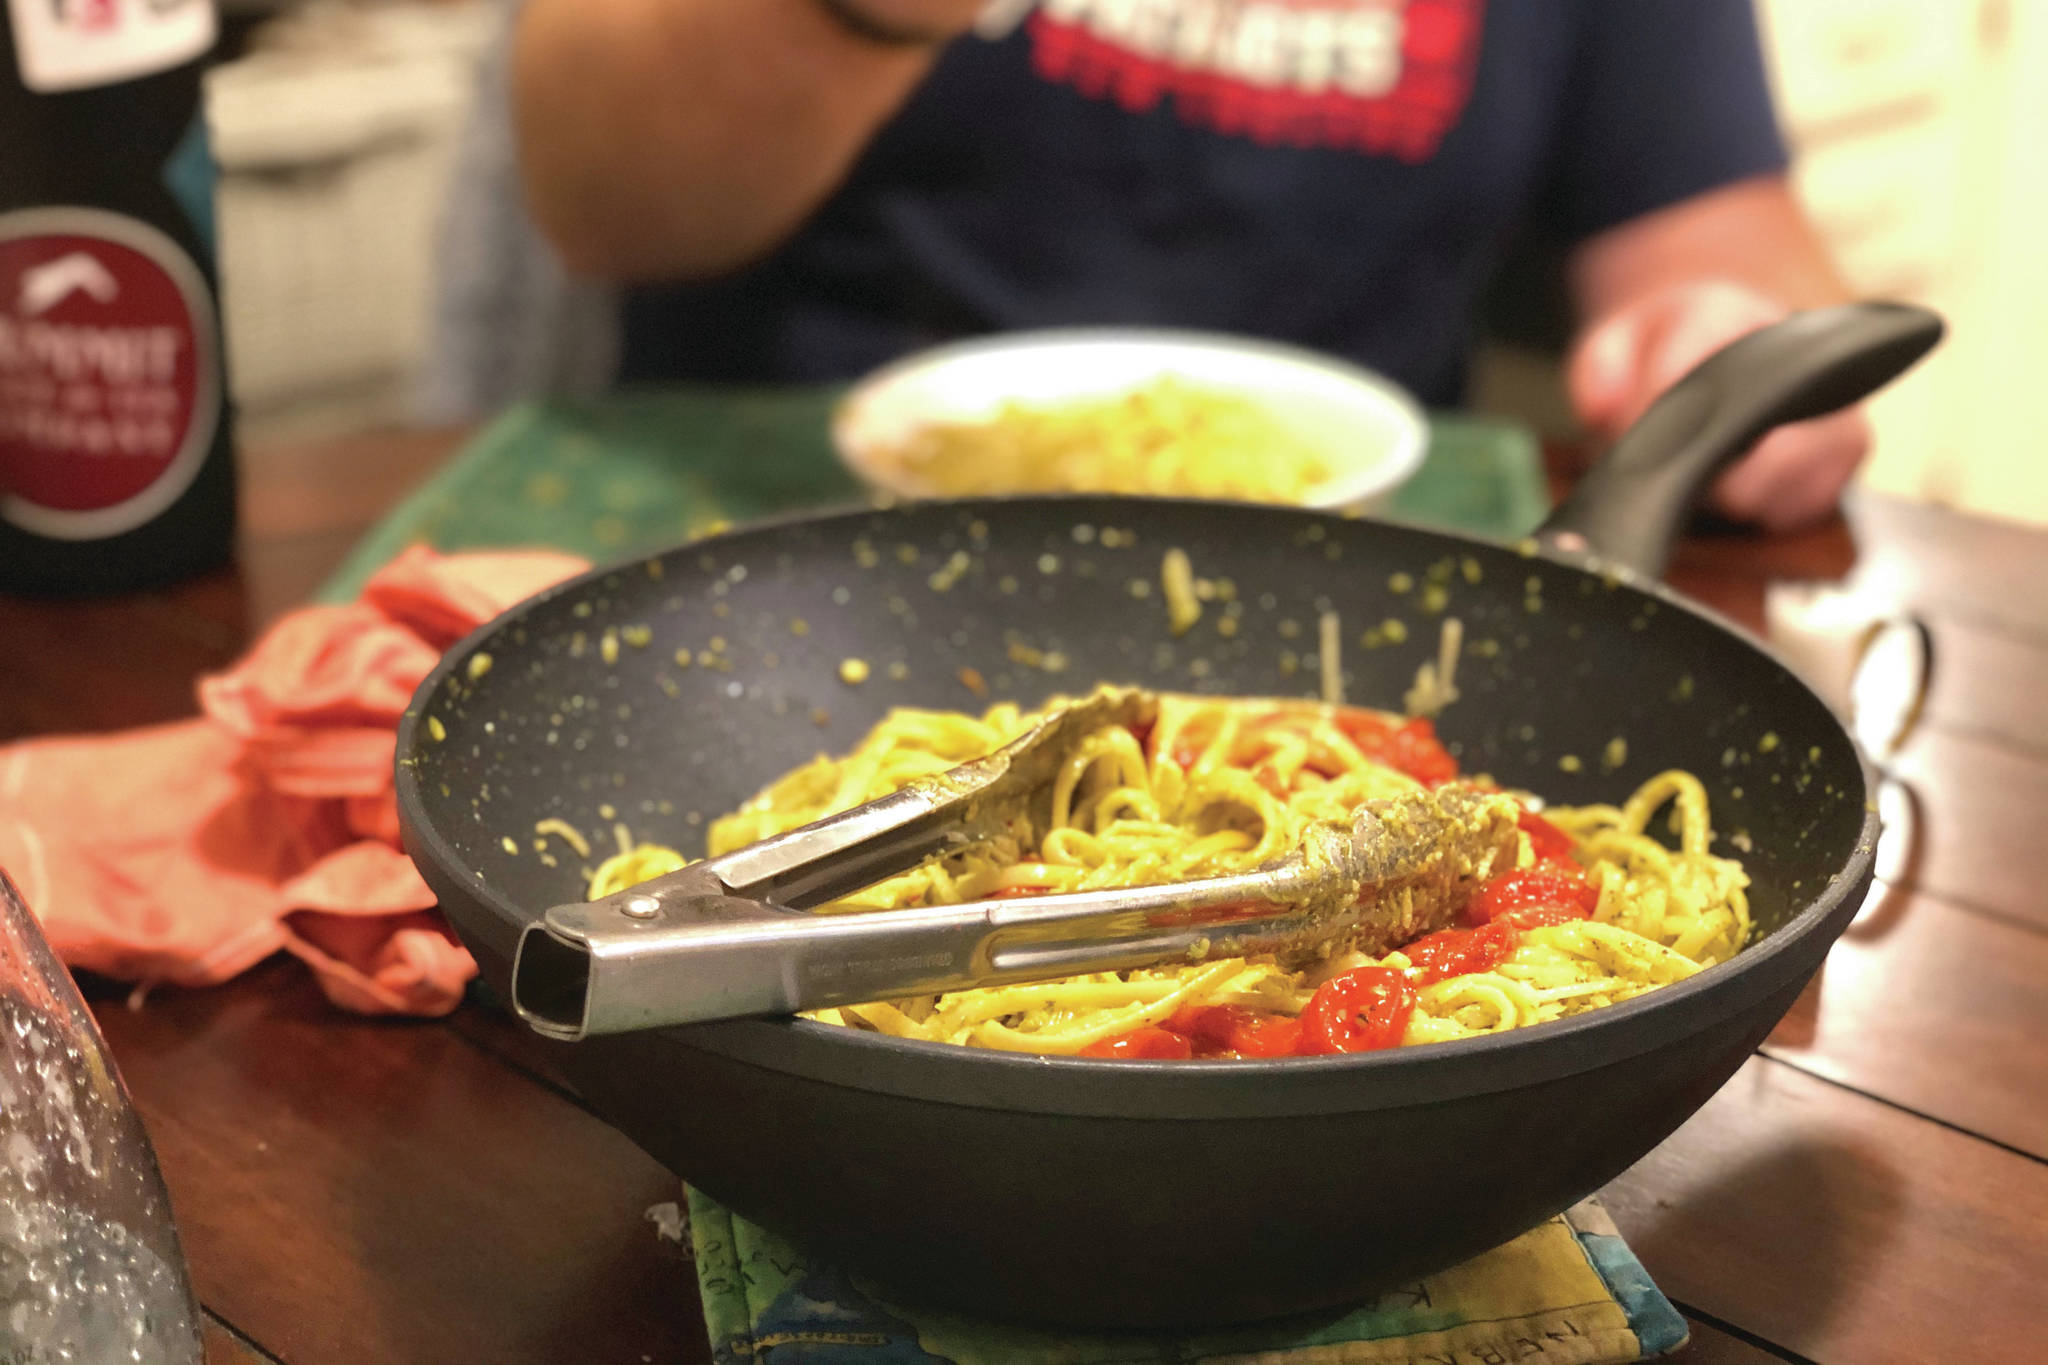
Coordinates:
[1921,128]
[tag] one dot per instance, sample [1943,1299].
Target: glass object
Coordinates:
[89,1265]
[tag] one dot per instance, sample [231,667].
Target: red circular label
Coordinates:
[104,370]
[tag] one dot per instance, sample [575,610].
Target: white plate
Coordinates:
[1366,426]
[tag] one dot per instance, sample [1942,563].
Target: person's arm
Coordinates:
[1751,233]
[667,139]
[1669,175]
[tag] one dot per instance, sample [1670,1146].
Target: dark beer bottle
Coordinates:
[116,463]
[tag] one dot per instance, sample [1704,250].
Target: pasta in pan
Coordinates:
[1596,910]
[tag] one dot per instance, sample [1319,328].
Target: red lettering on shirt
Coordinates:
[1384,77]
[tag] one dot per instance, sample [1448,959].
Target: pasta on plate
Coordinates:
[1597,909]
[1166,437]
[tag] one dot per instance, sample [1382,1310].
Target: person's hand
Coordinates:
[1624,360]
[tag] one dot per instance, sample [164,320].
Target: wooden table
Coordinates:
[1872,1187]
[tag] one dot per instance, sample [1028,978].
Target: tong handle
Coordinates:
[727,937]
[635,961]
[839,854]
[842,853]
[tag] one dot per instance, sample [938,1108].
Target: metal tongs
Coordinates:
[729,937]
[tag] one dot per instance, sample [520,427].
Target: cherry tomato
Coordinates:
[1408,746]
[1561,886]
[1369,730]
[1189,743]
[1142,1044]
[1459,952]
[1233,1028]
[1550,843]
[1363,1010]
[1418,753]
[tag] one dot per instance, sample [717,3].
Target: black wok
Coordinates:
[1086,1192]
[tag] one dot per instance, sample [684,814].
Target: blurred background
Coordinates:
[1916,125]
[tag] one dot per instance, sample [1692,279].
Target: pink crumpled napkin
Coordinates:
[189,852]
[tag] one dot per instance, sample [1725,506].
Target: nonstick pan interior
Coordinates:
[1574,684]
[969,1177]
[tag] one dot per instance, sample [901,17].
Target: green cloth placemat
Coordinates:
[632,473]
[1566,1292]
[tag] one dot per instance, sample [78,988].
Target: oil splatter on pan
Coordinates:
[640,701]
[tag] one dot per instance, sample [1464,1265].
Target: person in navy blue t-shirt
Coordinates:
[803,189]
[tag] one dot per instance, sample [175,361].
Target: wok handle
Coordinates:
[1629,507]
